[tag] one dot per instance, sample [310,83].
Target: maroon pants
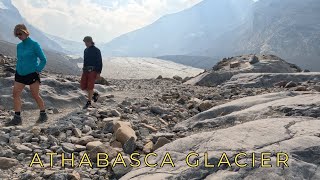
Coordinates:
[88,80]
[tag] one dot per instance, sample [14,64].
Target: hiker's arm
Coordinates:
[41,56]
[99,63]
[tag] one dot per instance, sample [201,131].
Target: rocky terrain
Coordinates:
[228,67]
[163,115]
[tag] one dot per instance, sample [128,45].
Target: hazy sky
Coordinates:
[102,19]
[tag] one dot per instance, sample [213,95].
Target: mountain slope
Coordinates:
[288,28]
[178,34]
[10,16]
[70,47]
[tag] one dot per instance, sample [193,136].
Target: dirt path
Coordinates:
[30,117]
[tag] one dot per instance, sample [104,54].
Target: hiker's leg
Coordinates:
[84,81]
[90,95]
[34,88]
[17,91]
[92,76]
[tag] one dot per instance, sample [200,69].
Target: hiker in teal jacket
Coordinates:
[28,52]
[30,62]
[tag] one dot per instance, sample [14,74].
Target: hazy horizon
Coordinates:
[104,20]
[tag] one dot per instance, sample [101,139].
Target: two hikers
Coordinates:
[28,69]
[92,68]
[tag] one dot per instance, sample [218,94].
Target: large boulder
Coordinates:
[112,153]
[253,60]
[93,144]
[286,122]
[123,132]
[247,109]
[2,61]
[295,136]
[7,163]
[102,81]
[267,80]
[229,67]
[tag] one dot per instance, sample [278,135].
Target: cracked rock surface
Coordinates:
[258,129]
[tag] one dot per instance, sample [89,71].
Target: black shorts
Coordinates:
[27,79]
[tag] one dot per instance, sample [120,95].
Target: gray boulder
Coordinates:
[268,80]
[225,69]
[294,136]
[253,124]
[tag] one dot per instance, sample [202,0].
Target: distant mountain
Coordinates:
[214,28]
[287,28]
[70,47]
[193,29]
[201,62]
[10,16]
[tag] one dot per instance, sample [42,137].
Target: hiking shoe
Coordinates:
[42,118]
[87,105]
[17,120]
[95,97]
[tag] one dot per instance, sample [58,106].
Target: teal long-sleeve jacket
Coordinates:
[30,57]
